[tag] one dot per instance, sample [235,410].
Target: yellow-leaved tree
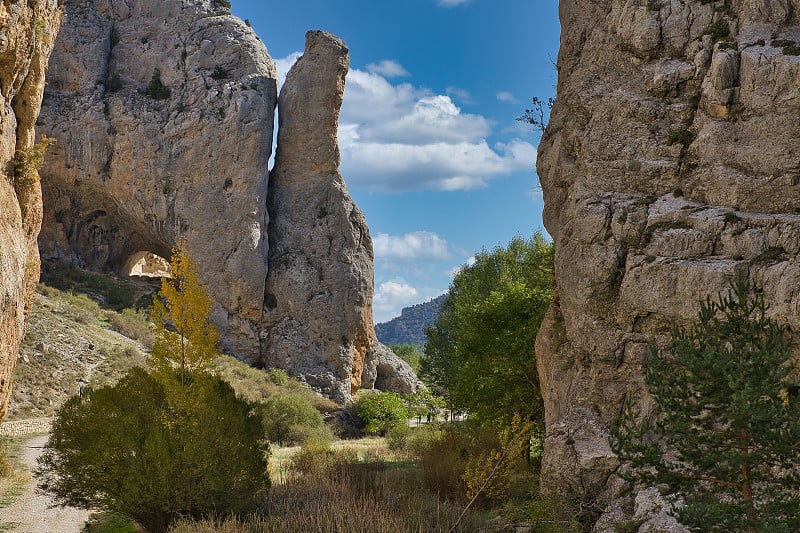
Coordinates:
[186,341]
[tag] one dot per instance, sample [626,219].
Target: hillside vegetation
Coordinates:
[410,326]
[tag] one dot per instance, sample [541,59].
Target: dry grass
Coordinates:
[345,489]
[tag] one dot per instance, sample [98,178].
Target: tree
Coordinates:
[409,354]
[381,411]
[480,352]
[110,449]
[724,440]
[172,442]
[184,336]
[290,419]
[539,114]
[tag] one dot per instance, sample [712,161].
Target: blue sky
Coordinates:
[431,150]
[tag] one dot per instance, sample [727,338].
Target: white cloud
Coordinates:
[391,297]
[388,68]
[461,95]
[450,3]
[411,246]
[401,137]
[507,97]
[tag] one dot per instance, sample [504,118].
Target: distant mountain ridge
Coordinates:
[410,326]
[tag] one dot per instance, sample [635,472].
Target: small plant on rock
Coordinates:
[156,88]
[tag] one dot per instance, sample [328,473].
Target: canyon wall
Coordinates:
[163,111]
[27,33]
[669,164]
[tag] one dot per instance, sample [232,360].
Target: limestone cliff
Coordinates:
[163,113]
[670,162]
[27,33]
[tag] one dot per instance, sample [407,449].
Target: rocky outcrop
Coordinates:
[669,164]
[27,32]
[318,306]
[163,114]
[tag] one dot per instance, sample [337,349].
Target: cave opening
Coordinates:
[146,264]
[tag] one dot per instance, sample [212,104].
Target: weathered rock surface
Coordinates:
[27,32]
[140,165]
[131,173]
[670,163]
[318,302]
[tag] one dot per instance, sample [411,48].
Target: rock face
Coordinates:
[27,34]
[141,164]
[670,163]
[163,111]
[318,303]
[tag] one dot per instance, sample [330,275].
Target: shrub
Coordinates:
[26,163]
[133,449]
[219,73]
[114,83]
[720,30]
[291,419]
[113,293]
[680,136]
[132,324]
[278,376]
[156,88]
[382,411]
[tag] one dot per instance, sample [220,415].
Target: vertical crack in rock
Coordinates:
[669,164]
[27,33]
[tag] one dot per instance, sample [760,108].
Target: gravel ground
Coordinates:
[31,512]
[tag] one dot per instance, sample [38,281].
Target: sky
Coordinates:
[432,152]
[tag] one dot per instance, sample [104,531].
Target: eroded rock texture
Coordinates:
[670,163]
[318,302]
[27,33]
[134,170]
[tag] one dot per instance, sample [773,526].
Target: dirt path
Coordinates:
[30,512]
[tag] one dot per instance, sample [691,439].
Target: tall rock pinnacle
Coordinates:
[318,302]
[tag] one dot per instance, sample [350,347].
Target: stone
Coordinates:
[317,321]
[27,33]
[131,174]
[645,228]
[384,370]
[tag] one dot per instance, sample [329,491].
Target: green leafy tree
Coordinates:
[480,353]
[110,449]
[409,354]
[725,437]
[381,411]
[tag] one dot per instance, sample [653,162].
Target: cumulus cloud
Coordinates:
[391,297]
[507,97]
[401,137]
[411,246]
[462,95]
[388,68]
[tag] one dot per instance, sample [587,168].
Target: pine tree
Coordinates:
[725,441]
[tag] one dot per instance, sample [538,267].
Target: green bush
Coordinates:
[156,88]
[114,83]
[278,376]
[145,451]
[382,411]
[132,324]
[291,419]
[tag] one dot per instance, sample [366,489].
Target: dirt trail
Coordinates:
[31,513]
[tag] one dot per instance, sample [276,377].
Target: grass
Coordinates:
[112,293]
[12,475]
